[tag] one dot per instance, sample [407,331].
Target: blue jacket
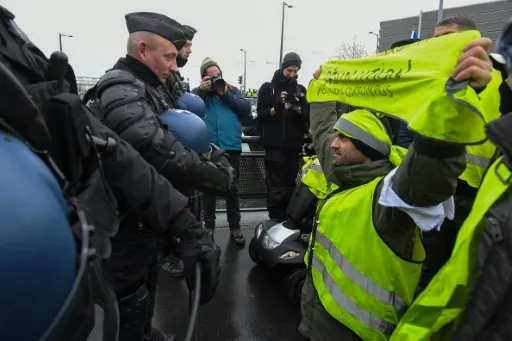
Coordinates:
[223,115]
[405,136]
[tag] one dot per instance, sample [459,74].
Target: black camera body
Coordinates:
[293,98]
[218,83]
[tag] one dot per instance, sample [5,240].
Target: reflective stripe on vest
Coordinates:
[479,156]
[344,301]
[363,136]
[478,161]
[443,301]
[365,283]
[360,281]
[314,167]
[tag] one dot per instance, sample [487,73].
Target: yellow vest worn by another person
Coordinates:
[314,178]
[361,282]
[479,156]
[444,299]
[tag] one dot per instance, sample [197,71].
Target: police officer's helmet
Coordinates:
[192,103]
[188,128]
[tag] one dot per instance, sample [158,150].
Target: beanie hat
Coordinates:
[369,136]
[207,63]
[291,59]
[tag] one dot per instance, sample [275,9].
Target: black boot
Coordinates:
[237,237]
[151,333]
[133,313]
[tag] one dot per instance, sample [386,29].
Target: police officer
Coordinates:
[180,92]
[176,83]
[129,99]
[139,79]
[55,124]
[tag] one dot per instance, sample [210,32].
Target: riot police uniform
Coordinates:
[129,99]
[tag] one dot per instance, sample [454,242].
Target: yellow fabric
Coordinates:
[369,123]
[314,178]
[361,265]
[410,83]
[491,99]
[444,299]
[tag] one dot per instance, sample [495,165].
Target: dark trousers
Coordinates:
[439,244]
[136,308]
[281,168]
[232,202]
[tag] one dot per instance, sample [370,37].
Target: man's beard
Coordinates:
[181,61]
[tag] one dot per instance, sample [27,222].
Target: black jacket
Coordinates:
[59,126]
[285,129]
[129,99]
[177,86]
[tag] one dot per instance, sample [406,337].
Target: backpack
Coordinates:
[39,105]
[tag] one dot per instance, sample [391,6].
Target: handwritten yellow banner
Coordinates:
[411,83]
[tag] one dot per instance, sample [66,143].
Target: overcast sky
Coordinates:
[313,28]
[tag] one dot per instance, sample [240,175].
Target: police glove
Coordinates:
[221,159]
[196,245]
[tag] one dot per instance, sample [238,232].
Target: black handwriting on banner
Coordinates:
[357,90]
[377,74]
[397,49]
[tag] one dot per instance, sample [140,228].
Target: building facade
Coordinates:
[490,18]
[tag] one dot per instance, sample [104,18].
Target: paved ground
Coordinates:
[249,219]
[249,305]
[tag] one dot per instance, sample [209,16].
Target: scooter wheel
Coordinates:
[294,281]
[253,254]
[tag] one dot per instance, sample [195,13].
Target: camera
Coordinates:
[218,83]
[292,98]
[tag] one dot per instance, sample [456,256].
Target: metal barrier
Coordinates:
[251,182]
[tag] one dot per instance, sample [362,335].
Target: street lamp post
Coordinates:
[245,69]
[440,12]
[377,46]
[282,32]
[60,39]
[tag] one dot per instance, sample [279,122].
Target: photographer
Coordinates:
[284,116]
[225,105]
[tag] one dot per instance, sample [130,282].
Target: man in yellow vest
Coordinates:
[470,298]
[439,244]
[366,253]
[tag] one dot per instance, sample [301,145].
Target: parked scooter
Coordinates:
[281,245]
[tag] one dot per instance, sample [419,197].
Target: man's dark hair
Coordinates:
[464,23]
[404,42]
